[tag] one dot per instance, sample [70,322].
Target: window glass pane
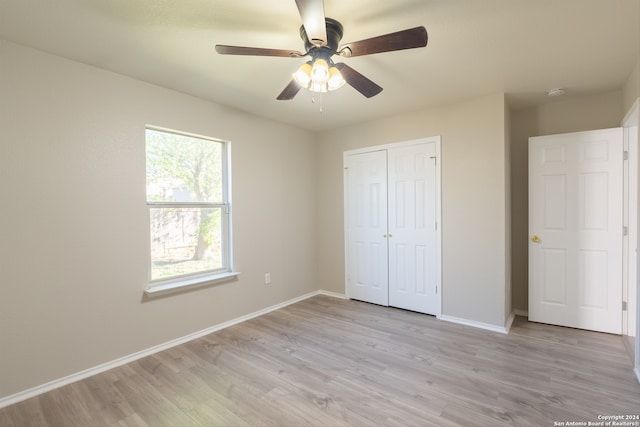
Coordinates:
[183,168]
[185,241]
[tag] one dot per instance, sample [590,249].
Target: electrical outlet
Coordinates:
[267,278]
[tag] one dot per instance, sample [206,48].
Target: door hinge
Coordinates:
[624,306]
[625,230]
[435,159]
[625,155]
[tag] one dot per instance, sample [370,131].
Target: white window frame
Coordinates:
[204,278]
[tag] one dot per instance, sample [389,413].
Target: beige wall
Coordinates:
[74,224]
[631,90]
[474,202]
[588,113]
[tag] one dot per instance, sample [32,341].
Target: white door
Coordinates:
[366,186]
[412,228]
[575,230]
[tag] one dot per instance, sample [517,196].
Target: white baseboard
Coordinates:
[523,313]
[332,294]
[52,385]
[509,322]
[473,323]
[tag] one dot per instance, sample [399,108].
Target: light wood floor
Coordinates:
[330,362]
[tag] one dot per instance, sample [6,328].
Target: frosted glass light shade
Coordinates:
[320,71]
[336,81]
[303,75]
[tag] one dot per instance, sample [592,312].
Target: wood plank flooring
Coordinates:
[331,362]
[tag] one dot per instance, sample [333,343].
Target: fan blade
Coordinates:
[358,81]
[289,92]
[312,14]
[406,39]
[256,51]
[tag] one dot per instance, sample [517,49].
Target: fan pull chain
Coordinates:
[313,100]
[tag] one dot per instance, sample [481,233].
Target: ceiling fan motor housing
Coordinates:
[334,35]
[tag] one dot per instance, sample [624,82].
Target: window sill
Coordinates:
[189,284]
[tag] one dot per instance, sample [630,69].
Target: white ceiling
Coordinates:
[476,48]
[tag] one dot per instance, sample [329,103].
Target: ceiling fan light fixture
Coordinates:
[303,75]
[318,76]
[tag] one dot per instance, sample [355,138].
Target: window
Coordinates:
[189,211]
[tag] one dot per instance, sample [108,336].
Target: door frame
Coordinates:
[433,139]
[631,119]
[630,271]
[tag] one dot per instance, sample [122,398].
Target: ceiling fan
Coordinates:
[321,37]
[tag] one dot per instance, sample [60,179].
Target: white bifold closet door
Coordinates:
[392,245]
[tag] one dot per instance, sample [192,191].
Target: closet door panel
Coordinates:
[412,228]
[366,227]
